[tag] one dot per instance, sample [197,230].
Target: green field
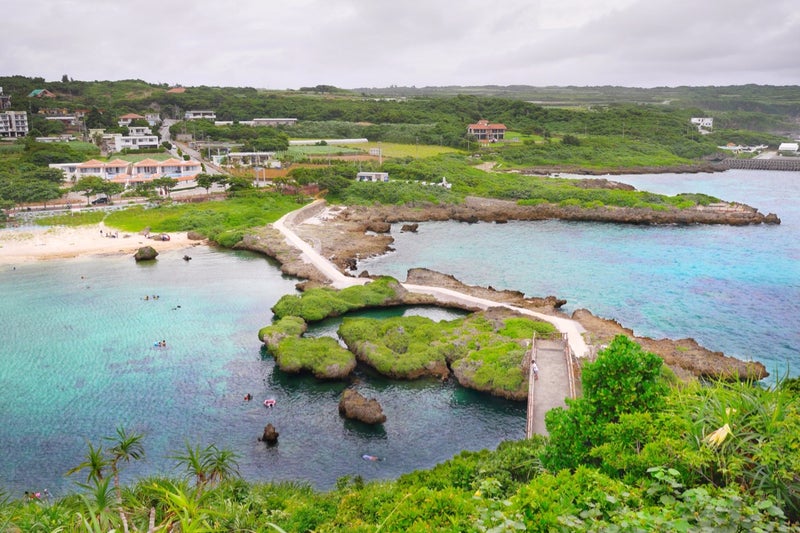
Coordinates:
[135,158]
[328,149]
[404,150]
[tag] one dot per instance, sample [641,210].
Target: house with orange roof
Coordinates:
[93,167]
[127,173]
[145,169]
[485,131]
[125,120]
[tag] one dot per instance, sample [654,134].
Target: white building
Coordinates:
[93,167]
[133,142]
[704,124]
[196,114]
[13,124]
[138,131]
[372,176]
[246,159]
[128,173]
[274,121]
[259,122]
[789,148]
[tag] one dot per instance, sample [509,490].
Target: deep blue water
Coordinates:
[77,359]
[733,289]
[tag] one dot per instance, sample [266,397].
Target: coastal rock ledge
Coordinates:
[355,406]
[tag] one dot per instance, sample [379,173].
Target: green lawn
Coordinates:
[404,150]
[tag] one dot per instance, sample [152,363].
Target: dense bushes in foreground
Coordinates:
[719,457]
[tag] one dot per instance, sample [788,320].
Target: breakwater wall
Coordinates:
[792,164]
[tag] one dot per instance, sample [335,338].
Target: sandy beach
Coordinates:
[19,245]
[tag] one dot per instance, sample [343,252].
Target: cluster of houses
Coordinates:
[131,174]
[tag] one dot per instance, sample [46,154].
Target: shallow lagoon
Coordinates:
[78,358]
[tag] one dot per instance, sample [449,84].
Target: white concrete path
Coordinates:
[572,328]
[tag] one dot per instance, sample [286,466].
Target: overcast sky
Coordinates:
[287,44]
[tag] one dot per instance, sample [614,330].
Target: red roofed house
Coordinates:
[125,120]
[486,132]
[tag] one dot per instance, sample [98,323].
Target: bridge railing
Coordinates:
[530,356]
[568,361]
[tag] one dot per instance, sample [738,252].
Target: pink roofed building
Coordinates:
[127,173]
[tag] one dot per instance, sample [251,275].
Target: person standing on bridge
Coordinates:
[535,370]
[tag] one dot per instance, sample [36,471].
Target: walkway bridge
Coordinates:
[555,381]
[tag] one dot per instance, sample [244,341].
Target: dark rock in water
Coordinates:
[187,258]
[270,436]
[351,263]
[772,218]
[145,253]
[356,407]
[410,227]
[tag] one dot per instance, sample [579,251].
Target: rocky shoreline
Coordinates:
[345,234]
[619,171]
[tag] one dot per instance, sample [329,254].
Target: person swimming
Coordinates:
[368,457]
[248,397]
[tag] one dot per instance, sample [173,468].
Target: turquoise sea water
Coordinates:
[733,289]
[77,356]
[78,359]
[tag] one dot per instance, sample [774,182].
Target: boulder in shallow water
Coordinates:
[270,435]
[145,253]
[356,407]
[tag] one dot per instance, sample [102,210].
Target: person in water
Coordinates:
[248,397]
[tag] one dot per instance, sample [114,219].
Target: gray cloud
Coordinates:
[355,43]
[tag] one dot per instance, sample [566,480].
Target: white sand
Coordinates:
[19,245]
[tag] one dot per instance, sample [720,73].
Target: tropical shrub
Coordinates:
[624,379]
[321,356]
[323,302]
